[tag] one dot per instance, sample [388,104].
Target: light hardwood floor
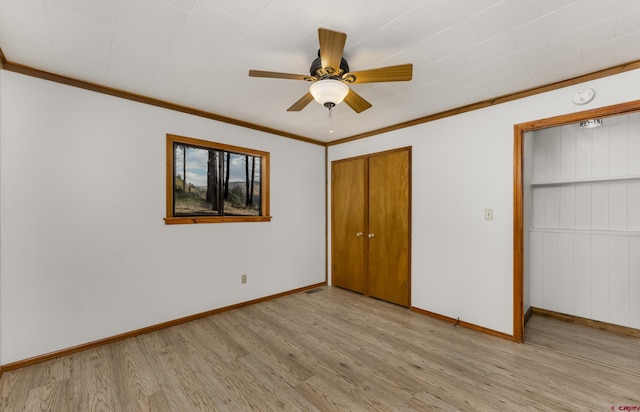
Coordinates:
[331,350]
[608,348]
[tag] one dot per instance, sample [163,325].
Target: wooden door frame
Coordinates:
[518,191]
[366,156]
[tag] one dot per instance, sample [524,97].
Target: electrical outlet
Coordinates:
[488,214]
[243,279]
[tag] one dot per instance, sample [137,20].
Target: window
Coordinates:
[214,183]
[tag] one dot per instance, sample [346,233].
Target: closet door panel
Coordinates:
[348,233]
[389,227]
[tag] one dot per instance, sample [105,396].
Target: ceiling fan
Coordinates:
[330,76]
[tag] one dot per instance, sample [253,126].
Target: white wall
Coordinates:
[462,265]
[85,252]
[585,234]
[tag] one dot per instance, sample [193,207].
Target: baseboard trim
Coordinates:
[528,315]
[457,322]
[596,324]
[142,331]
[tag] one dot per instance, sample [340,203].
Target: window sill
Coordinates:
[182,220]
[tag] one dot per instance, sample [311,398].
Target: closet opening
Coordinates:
[577,227]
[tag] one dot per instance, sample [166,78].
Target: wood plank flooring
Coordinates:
[608,348]
[332,350]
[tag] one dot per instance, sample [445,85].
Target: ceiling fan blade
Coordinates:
[278,75]
[301,104]
[356,102]
[400,73]
[331,49]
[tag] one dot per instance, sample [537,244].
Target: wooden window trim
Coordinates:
[170,219]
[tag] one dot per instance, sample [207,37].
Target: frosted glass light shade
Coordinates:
[329,91]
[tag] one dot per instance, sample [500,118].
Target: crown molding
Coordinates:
[30,71]
[495,101]
[41,74]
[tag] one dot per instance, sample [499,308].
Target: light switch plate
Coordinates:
[488,214]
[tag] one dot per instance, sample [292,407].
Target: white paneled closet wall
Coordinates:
[585,221]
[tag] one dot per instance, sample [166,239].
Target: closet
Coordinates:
[583,220]
[370,225]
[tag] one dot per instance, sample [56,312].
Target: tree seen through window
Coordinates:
[210,182]
[216,182]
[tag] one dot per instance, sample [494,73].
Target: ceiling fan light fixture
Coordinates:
[329,92]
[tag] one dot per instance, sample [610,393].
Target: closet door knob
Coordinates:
[359,234]
[370,235]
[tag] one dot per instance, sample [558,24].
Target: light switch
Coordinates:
[488,214]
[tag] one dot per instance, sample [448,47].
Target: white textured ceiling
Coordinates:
[197,53]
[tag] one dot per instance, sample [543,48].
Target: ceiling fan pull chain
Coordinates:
[330,121]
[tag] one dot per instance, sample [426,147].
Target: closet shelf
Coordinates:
[585,180]
[610,232]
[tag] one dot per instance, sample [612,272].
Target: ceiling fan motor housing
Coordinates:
[316,68]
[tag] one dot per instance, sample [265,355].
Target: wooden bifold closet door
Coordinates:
[370,221]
